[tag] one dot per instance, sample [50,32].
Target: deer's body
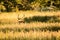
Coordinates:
[20,20]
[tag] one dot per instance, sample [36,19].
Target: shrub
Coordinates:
[41,19]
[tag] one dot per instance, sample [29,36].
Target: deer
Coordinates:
[21,20]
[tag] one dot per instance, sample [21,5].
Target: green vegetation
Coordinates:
[42,19]
[39,5]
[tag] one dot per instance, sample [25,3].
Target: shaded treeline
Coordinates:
[39,5]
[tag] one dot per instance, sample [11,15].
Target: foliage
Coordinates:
[14,5]
[42,19]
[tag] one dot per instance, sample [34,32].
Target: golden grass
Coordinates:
[28,14]
[29,25]
[12,17]
[30,34]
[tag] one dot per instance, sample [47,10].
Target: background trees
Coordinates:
[39,5]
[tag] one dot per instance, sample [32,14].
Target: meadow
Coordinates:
[37,26]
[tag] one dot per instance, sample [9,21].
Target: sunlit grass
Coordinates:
[31,35]
[10,29]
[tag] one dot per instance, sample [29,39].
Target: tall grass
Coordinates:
[30,36]
[17,29]
[41,26]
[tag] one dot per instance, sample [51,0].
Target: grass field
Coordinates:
[10,29]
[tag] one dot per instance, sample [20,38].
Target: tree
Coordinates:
[14,5]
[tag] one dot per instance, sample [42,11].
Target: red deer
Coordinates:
[21,20]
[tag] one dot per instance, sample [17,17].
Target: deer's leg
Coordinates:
[21,22]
